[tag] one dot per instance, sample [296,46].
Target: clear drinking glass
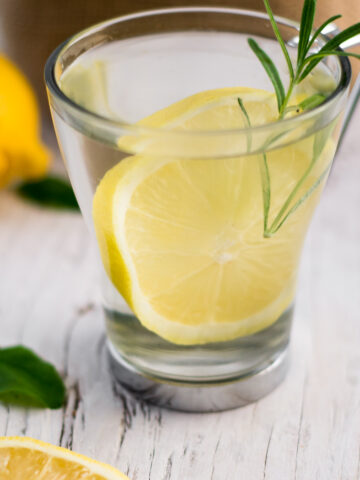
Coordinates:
[198,266]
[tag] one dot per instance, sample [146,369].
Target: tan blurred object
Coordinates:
[33,28]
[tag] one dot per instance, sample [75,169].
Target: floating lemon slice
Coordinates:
[182,239]
[216,110]
[210,111]
[23,458]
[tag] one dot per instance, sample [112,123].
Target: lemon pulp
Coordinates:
[23,458]
[182,238]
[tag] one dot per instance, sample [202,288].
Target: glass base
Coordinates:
[202,396]
[208,363]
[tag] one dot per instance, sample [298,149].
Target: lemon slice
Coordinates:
[182,239]
[23,458]
[215,110]
[212,110]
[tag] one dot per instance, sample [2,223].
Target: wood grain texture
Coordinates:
[308,429]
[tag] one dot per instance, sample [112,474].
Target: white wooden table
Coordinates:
[308,429]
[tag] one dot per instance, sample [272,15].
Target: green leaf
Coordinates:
[312,101]
[243,109]
[341,37]
[247,119]
[319,30]
[306,26]
[266,190]
[314,59]
[279,38]
[320,139]
[279,219]
[271,70]
[303,198]
[304,67]
[307,104]
[27,380]
[330,48]
[53,192]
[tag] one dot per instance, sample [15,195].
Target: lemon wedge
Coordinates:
[182,239]
[23,458]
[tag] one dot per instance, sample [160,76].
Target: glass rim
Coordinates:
[108,122]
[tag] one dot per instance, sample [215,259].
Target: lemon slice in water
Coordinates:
[182,239]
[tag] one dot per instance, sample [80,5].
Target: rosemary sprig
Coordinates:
[320,29]
[286,210]
[305,63]
[264,169]
[266,189]
[307,104]
[248,124]
[270,232]
[279,38]
[271,70]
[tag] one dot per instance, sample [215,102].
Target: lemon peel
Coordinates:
[22,154]
[24,457]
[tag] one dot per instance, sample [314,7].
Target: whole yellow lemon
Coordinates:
[22,155]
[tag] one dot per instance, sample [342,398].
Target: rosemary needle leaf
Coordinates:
[293,209]
[312,101]
[330,48]
[341,37]
[243,109]
[279,38]
[319,30]
[266,190]
[248,123]
[271,70]
[306,26]
[314,59]
[307,104]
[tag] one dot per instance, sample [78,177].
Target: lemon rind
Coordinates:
[95,467]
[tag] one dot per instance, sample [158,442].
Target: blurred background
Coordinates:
[31,29]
